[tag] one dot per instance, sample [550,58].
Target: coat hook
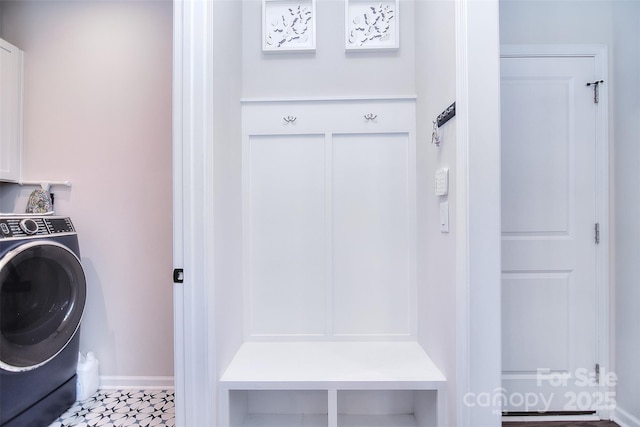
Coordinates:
[370,116]
[435,135]
[596,90]
[290,119]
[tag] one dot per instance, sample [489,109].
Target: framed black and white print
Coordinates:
[288,25]
[372,25]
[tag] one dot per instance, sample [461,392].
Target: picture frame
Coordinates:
[288,25]
[372,25]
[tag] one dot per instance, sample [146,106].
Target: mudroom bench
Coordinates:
[332,384]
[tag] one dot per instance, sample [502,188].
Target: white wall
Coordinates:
[436,90]
[227,78]
[328,71]
[97,112]
[626,124]
[555,22]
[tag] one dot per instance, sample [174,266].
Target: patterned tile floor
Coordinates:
[126,408]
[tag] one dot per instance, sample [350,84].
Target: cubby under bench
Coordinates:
[332,384]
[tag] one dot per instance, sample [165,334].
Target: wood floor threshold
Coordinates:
[559,424]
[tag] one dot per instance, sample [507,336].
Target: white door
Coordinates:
[549,251]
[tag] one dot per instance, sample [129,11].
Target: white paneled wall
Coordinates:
[329,218]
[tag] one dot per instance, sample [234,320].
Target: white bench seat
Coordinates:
[333,368]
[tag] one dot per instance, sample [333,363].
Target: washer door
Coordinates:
[42,297]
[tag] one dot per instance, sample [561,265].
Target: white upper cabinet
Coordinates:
[10,111]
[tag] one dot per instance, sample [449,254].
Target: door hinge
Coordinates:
[597,373]
[597,233]
[178,275]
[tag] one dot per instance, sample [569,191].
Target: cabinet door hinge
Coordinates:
[597,232]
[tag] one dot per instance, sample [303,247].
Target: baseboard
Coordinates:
[624,419]
[136,383]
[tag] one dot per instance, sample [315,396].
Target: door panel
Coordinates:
[538,156]
[530,331]
[548,215]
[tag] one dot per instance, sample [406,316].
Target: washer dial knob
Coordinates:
[29,226]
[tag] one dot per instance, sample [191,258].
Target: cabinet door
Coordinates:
[10,111]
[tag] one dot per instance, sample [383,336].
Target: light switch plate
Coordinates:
[442,182]
[444,217]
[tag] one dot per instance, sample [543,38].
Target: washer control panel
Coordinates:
[21,227]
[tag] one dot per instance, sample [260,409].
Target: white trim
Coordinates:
[624,419]
[599,54]
[478,209]
[543,50]
[462,227]
[178,244]
[136,383]
[330,98]
[603,274]
[328,248]
[193,176]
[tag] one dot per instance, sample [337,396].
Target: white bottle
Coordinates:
[88,378]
